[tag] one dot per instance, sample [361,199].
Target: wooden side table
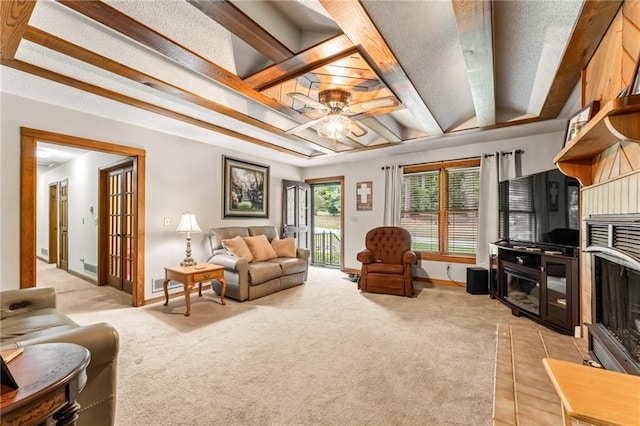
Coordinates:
[50,376]
[594,395]
[190,275]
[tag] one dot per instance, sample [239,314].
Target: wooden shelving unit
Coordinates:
[618,120]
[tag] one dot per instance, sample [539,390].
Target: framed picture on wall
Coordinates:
[578,120]
[246,189]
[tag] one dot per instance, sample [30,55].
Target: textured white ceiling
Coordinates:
[529,40]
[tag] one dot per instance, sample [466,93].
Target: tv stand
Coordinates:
[540,281]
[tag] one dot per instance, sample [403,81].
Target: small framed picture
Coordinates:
[578,120]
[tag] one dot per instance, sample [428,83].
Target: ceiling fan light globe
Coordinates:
[334,126]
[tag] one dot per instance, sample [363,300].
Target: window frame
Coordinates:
[443,212]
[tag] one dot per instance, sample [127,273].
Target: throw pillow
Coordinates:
[285,247]
[260,248]
[237,247]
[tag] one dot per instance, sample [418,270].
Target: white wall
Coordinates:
[182,175]
[539,151]
[82,174]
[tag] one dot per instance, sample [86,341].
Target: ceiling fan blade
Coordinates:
[300,97]
[357,129]
[366,106]
[302,126]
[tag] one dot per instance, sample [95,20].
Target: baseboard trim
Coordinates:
[83,277]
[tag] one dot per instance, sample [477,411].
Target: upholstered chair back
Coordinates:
[388,243]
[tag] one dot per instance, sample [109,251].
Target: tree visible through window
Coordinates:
[439,206]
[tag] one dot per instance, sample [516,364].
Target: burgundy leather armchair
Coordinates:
[386,262]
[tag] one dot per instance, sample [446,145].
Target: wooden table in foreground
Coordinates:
[595,395]
[50,376]
[189,276]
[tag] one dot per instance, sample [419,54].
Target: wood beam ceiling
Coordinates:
[356,24]
[474,22]
[592,25]
[15,17]
[243,27]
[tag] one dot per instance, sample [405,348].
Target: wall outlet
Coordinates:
[167,221]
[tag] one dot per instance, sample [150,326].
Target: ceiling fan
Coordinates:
[337,121]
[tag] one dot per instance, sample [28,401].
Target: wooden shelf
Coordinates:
[618,120]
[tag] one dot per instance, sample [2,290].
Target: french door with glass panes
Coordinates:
[118,225]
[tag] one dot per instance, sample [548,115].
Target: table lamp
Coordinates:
[188,224]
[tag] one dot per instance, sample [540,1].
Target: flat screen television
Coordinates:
[542,208]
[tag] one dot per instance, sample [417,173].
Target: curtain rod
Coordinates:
[503,153]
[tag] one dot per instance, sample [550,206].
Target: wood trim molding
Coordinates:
[311,58]
[69,49]
[243,27]
[28,191]
[68,81]
[592,25]
[111,17]
[15,17]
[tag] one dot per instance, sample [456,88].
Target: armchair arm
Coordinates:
[230,263]
[101,339]
[410,257]
[14,302]
[365,256]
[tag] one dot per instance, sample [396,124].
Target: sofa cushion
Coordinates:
[261,272]
[285,247]
[260,248]
[269,231]
[238,247]
[290,265]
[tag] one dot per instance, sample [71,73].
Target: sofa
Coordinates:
[250,277]
[29,317]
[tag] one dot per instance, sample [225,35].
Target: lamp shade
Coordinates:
[188,223]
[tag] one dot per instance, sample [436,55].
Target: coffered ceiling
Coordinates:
[252,71]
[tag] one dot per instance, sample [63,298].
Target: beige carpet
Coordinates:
[317,354]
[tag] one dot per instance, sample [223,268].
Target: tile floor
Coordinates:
[524,394]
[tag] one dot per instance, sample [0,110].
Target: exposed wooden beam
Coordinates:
[15,18]
[474,22]
[305,61]
[81,85]
[66,48]
[356,24]
[243,27]
[135,30]
[381,129]
[592,24]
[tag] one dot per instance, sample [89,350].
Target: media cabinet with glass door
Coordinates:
[540,282]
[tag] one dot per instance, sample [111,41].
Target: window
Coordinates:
[517,213]
[439,207]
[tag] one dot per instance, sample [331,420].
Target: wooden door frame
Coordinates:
[28,191]
[333,179]
[53,219]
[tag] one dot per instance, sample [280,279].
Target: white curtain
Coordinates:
[510,164]
[488,216]
[392,188]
